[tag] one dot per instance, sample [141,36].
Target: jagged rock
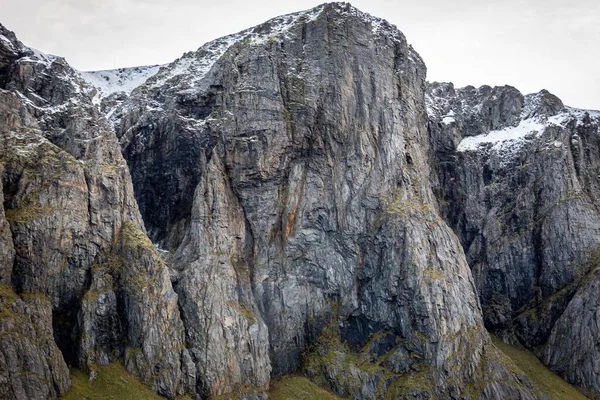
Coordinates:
[67,197]
[115,312]
[228,337]
[305,192]
[298,175]
[519,179]
[31,365]
[572,348]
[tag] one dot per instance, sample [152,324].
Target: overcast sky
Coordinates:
[530,44]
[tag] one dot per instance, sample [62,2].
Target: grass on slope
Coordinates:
[113,383]
[295,387]
[558,388]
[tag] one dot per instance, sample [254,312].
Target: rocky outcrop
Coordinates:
[67,205]
[289,180]
[571,349]
[320,206]
[31,365]
[115,316]
[518,176]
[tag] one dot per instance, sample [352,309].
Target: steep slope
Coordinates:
[528,362]
[69,222]
[286,169]
[314,196]
[519,179]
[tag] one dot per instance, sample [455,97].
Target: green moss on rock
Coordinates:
[244,310]
[133,237]
[7,293]
[331,362]
[27,214]
[297,387]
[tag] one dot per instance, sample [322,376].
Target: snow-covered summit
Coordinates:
[194,65]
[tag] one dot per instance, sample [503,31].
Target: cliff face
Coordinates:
[310,197]
[290,180]
[519,179]
[67,207]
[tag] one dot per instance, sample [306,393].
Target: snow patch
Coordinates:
[513,135]
[527,129]
[118,80]
[7,43]
[39,57]
[449,118]
[196,65]
[281,25]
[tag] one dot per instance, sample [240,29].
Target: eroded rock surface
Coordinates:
[518,177]
[67,204]
[290,180]
[321,209]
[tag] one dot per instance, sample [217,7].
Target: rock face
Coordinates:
[519,179]
[313,195]
[290,181]
[67,206]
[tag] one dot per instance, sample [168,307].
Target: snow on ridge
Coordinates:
[444,105]
[197,64]
[498,139]
[282,24]
[513,137]
[7,42]
[67,75]
[118,80]
[379,26]
[40,57]
[449,118]
[579,113]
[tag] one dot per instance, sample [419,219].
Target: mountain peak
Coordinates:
[187,72]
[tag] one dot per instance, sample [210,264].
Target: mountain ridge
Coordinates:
[319,214]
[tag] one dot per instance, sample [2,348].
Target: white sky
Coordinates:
[530,44]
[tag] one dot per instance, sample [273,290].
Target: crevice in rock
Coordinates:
[186,338]
[67,331]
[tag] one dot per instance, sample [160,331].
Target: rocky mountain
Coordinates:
[315,206]
[519,180]
[80,282]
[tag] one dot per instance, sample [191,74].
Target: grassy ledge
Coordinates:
[296,387]
[113,383]
[556,387]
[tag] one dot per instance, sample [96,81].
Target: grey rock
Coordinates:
[314,196]
[68,201]
[525,209]
[571,349]
[31,365]
[228,337]
[309,174]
